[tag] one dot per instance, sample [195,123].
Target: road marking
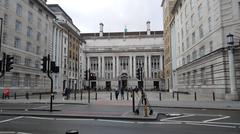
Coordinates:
[166,119]
[225,123]
[211,125]
[39,118]
[215,119]
[11,119]
[115,121]
[56,105]
[69,119]
[11,132]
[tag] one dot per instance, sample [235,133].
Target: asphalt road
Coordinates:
[192,121]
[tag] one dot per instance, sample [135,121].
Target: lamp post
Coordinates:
[233,95]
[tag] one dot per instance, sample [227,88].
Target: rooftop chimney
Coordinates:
[148,28]
[101,30]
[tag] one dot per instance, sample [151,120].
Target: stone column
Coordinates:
[114,70]
[134,66]
[88,62]
[145,66]
[161,62]
[99,67]
[130,65]
[150,66]
[117,74]
[103,67]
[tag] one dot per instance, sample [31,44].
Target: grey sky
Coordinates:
[114,14]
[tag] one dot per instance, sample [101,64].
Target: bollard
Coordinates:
[110,95]
[40,96]
[2,95]
[173,94]
[160,96]
[177,96]
[72,132]
[81,95]
[213,96]
[27,96]
[96,96]
[127,95]
[195,96]
[15,96]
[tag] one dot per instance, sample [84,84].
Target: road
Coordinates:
[197,121]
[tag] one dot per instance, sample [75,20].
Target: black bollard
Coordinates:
[195,96]
[127,95]
[177,96]
[96,96]
[15,96]
[81,95]
[40,96]
[160,96]
[173,95]
[213,96]
[27,95]
[110,95]
[2,95]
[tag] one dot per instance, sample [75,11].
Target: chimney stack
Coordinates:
[101,30]
[148,28]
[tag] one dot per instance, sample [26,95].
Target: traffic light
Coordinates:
[1,66]
[138,75]
[86,75]
[44,64]
[54,68]
[9,63]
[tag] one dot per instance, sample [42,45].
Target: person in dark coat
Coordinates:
[116,94]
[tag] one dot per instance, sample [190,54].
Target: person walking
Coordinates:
[116,93]
[122,94]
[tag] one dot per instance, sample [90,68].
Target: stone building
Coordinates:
[27,35]
[199,30]
[114,57]
[70,50]
[168,60]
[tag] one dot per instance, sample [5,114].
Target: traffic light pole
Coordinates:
[3,65]
[49,76]
[89,84]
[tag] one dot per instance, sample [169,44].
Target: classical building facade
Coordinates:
[199,30]
[168,65]
[27,35]
[115,56]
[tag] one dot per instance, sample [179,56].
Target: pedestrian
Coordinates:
[122,93]
[116,93]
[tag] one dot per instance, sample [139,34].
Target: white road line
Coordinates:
[166,119]
[69,119]
[116,121]
[56,105]
[39,118]
[215,119]
[211,125]
[11,119]
[225,123]
[11,132]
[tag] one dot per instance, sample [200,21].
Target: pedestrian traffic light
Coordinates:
[86,75]
[44,64]
[138,75]
[9,63]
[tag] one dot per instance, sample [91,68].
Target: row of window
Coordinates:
[202,52]
[29,46]
[27,62]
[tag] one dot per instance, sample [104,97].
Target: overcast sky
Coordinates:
[114,14]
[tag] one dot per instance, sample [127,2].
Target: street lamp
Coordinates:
[230,41]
